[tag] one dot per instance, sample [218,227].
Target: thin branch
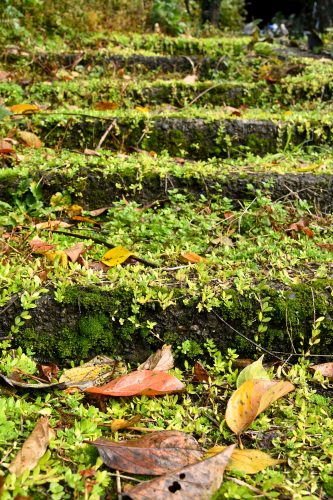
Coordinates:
[250,340]
[106,133]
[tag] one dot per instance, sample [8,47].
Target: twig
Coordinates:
[106,133]
[201,94]
[118,483]
[124,477]
[100,242]
[243,483]
[250,340]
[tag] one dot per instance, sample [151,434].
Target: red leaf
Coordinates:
[153,454]
[141,382]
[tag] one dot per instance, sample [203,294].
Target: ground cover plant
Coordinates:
[166,262]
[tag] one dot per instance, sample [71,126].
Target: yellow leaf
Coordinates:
[57,255]
[52,224]
[24,108]
[246,461]
[142,109]
[120,423]
[116,256]
[30,139]
[74,210]
[250,399]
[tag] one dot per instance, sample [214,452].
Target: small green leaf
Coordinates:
[253,371]
[4,112]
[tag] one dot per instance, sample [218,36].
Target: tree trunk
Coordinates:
[210,11]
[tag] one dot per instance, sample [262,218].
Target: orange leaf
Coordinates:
[105,105]
[192,257]
[6,148]
[140,382]
[250,399]
[24,108]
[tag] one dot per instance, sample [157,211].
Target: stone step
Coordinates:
[95,182]
[195,133]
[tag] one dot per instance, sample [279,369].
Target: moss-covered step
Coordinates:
[91,320]
[313,83]
[97,181]
[251,258]
[196,133]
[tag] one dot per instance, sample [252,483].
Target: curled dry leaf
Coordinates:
[153,454]
[196,482]
[6,147]
[161,360]
[52,224]
[252,398]
[139,383]
[93,373]
[74,252]
[33,448]
[325,369]
[200,373]
[247,461]
[30,139]
[120,423]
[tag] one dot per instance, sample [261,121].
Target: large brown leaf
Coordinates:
[154,454]
[139,383]
[33,448]
[194,482]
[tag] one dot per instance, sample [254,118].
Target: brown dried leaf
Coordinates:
[48,372]
[106,105]
[141,382]
[40,246]
[154,454]
[200,373]
[52,224]
[33,448]
[75,251]
[162,360]
[196,482]
[91,152]
[98,211]
[30,139]
[325,369]
[6,147]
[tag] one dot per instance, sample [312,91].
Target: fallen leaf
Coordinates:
[4,75]
[325,369]
[93,373]
[190,79]
[192,257]
[161,360]
[52,224]
[91,152]
[252,398]
[30,139]
[40,246]
[120,423]
[142,109]
[254,370]
[74,210]
[139,383]
[57,256]
[116,256]
[326,246]
[232,111]
[246,461]
[98,211]
[105,105]
[24,108]
[33,448]
[154,454]
[196,482]
[85,219]
[75,251]
[6,148]
[200,373]
[48,372]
